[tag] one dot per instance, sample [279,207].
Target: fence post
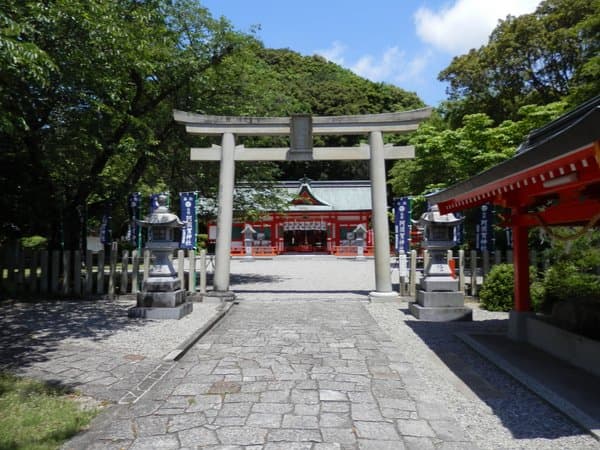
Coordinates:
[66,284]
[461,270]
[44,272]
[89,271]
[77,273]
[135,267]
[124,272]
[485,263]
[413,273]
[402,273]
[449,258]
[203,271]
[146,264]
[20,268]
[55,266]
[473,273]
[112,270]
[181,267]
[425,260]
[32,272]
[192,271]
[509,256]
[100,281]
[497,257]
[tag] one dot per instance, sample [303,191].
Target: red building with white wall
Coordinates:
[321,218]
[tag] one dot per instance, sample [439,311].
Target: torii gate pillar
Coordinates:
[301,129]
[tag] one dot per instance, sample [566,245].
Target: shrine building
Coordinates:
[322,217]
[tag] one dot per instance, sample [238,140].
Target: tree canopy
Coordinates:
[539,58]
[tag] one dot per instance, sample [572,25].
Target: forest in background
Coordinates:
[87,89]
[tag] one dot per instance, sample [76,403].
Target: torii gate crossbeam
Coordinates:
[301,129]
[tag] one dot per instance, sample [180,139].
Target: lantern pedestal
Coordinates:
[161,296]
[438,299]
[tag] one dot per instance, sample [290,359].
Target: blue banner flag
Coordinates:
[134,207]
[105,231]
[402,224]
[153,202]
[483,230]
[187,201]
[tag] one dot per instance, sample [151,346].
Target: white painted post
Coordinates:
[112,270]
[146,264]
[203,271]
[486,263]
[412,288]
[402,273]
[124,272]
[77,273]
[89,271]
[225,213]
[181,267]
[55,266]
[383,280]
[44,272]
[461,270]
[497,257]
[509,256]
[66,284]
[32,272]
[473,273]
[192,271]
[100,274]
[135,267]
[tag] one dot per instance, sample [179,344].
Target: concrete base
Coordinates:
[383,297]
[448,314]
[176,313]
[160,299]
[517,325]
[218,296]
[440,299]
[435,284]
[575,349]
[161,284]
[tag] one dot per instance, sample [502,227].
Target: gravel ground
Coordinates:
[495,410]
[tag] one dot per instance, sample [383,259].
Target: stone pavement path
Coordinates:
[296,375]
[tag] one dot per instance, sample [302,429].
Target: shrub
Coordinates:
[497,292]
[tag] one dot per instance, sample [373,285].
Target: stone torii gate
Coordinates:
[301,129]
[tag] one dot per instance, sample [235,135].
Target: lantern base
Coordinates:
[176,313]
[441,314]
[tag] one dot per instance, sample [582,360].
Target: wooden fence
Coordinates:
[96,274]
[71,274]
[470,268]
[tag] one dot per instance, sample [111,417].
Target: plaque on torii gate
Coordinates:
[301,129]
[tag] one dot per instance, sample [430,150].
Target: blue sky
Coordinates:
[401,42]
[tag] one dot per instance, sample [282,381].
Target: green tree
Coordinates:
[535,58]
[94,111]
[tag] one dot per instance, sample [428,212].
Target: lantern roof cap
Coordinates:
[433,216]
[161,216]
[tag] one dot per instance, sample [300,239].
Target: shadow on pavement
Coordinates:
[516,408]
[30,332]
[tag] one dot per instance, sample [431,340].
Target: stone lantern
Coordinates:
[360,233]
[438,297]
[162,296]
[248,233]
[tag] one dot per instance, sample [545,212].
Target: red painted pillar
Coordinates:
[521,265]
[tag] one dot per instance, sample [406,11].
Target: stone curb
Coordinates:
[181,350]
[590,424]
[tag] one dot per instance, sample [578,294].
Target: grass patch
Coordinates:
[36,416]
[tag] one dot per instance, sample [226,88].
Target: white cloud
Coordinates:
[335,53]
[467,23]
[391,66]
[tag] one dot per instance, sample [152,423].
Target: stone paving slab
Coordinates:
[287,375]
